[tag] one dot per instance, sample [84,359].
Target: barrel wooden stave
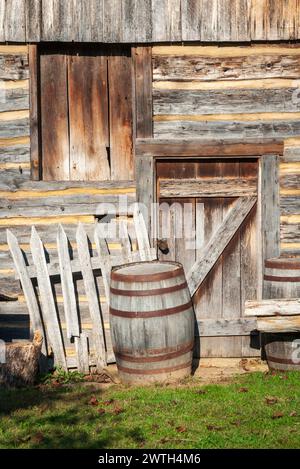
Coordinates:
[158,344]
[282,278]
[281,351]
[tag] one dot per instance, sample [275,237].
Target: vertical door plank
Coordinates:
[67,284]
[88,109]
[54,117]
[120,114]
[49,311]
[231,270]
[92,295]
[249,244]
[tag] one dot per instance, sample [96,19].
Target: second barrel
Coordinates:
[152,321]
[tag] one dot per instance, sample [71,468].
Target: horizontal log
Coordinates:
[202,147]
[217,187]
[289,205]
[15,154]
[224,117]
[14,99]
[225,327]
[291,153]
[290,248]
[14,66]
[225,67]
[11,177]
[217,51]
[67,205]
[290,232]
[55,188]
[238,129]
[224,101]
[242,85]
[14,128]
[279,324]
[290,219]
[25,221]
[284,307]
[289,181]
[48,232]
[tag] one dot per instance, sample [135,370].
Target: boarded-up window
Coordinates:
[85,113]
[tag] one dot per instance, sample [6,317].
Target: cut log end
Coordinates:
[21,362]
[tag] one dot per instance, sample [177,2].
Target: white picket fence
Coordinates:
[64,328]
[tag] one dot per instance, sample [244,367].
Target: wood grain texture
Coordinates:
[145,21]
[88,125]
[187,147]
[219,241]
[216,187]
[121,119]
[35,149]
[49,310]
[272,307]
[143,91]
[54,117]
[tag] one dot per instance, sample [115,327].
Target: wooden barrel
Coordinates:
[283,351]
[152,321]
[282,278]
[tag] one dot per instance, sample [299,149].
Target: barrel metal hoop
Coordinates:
[274,278]
[147,278]
[150,314]
[293,264]
[285,361]
[180,351]
[155,291]
[135,371]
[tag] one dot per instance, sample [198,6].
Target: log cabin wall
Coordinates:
[25,202]
[235,92]
[217,83]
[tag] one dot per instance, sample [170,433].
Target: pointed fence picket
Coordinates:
[75,326]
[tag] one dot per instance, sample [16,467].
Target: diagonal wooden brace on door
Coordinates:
[210,253]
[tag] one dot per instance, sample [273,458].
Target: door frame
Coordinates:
[267,151]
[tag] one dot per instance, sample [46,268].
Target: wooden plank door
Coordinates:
[219,301]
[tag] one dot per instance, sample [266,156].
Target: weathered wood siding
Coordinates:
[214,92]
[236,92]
[149,20]
[14,114]
[289,179]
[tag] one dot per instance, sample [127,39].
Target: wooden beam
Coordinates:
[142,60]
[54,269]
[225,327]
[205,148]
[210,253]
[34,112]
[284,307]
[279,324]
[270,215]
[216,187]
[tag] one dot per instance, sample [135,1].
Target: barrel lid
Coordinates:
[148,271]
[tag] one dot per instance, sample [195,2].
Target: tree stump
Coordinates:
[21,362]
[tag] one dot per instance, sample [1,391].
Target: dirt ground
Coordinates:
[215,370]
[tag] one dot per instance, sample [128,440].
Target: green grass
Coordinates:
[253,411]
